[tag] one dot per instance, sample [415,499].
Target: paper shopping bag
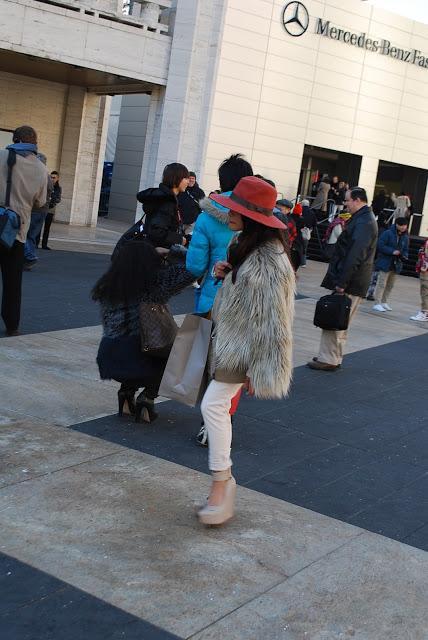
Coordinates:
[184,378]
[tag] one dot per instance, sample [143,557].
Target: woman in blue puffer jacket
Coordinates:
[211,235]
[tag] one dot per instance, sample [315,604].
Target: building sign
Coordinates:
[295,18]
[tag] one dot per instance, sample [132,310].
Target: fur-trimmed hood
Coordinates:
[215,210]
[254,321]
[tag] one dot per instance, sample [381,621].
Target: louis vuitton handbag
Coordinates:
[157,328]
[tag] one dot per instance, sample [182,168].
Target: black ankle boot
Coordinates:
[126,394]
[145,408]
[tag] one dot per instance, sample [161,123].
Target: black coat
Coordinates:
[351,265]
[309,217]
[162,221]
[119,355]
[188,201]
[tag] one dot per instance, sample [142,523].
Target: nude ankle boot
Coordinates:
[222,512]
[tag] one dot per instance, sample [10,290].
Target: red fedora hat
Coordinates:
[253,198]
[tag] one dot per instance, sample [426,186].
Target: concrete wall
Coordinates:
[88,40]
[113,128]
[129,155]
[275,93]
[38,103]
[180,114]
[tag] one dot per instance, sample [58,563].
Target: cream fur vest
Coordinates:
[254,321]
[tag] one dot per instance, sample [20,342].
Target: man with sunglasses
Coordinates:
[349,272]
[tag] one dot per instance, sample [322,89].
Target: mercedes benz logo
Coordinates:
[295,19]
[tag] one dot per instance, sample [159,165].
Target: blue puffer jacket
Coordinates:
[389,242]
[210,240]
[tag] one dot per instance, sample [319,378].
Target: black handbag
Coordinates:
[332,312]
[158,329]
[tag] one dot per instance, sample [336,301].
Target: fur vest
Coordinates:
[254,323]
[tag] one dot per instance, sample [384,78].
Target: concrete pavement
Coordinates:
[98,534]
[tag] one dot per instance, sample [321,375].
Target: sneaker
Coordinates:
[202,437]
[386,306]
[370,297]
[196,285]
[420,316]
[378,307]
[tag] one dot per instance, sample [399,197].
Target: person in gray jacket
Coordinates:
[349,272]
[28,190]
[320,201]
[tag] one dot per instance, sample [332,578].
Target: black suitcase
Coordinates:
[332,312]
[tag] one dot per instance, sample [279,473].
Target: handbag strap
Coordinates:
[11,160]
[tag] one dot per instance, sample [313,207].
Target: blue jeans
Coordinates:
[36,224]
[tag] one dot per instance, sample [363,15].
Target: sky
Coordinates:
[413,9]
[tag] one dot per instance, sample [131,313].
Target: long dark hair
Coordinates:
[252,236]
[132,272]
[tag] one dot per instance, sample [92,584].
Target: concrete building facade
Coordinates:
[296,86]
[292,86]
[59,64]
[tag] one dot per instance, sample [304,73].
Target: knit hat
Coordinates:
[298,210]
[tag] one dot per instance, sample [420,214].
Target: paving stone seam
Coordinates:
[386,497]
[412,533]
[359,533]
[71,466]
[22,605]
[360,447]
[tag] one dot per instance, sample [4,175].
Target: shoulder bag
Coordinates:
[10,221]
[158,329]
[332,312]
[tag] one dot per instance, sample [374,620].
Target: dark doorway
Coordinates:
[399,178]
[316,161]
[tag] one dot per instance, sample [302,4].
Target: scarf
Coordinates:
[23,148]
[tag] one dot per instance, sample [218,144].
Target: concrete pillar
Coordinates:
[424,223]
[368,175]
[83,146]
[189,92]
[150,14]
[149,171]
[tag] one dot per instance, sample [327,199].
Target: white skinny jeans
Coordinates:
[215,409]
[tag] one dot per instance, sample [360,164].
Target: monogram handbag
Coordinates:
[332,312]
[157,328]
[9,220]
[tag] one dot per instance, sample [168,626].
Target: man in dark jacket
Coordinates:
[349,272]
[393,248]
[188,202]
[54,200]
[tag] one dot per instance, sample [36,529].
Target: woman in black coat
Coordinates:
[137,274]
[161,222]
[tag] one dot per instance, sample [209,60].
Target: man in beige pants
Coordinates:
[349,272]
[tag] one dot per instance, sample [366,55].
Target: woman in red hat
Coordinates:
[253,315]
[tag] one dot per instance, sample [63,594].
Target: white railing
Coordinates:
[140,13]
